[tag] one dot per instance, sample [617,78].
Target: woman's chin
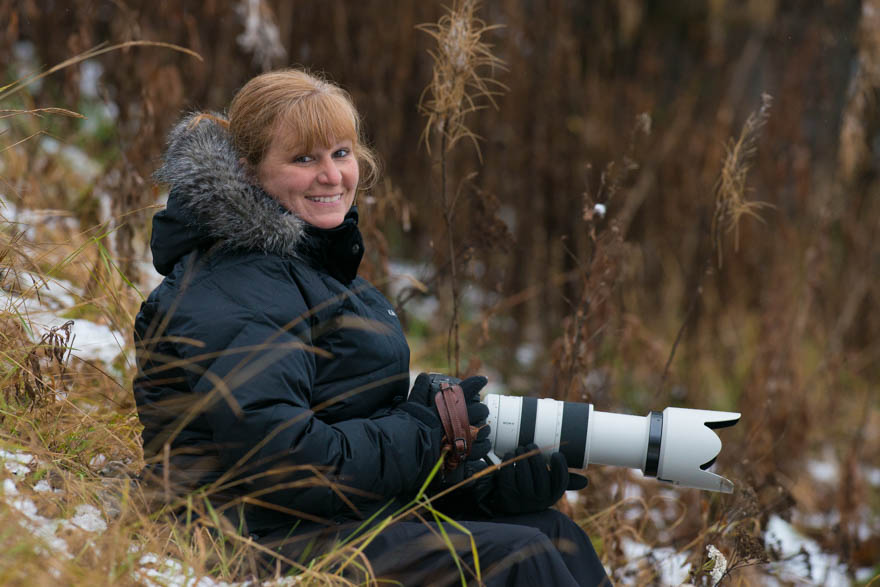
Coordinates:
[324,220]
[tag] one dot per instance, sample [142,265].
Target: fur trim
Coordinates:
[202,166]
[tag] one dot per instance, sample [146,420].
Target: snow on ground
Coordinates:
[824,471]
[16,463]
[158,571]
[671,567]
[153,570]
[96,341]
[802,560]
[87,517]
[90,341]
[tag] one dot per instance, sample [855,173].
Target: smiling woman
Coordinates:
[274,380]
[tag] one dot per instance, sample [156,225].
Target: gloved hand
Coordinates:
[529,485]
[422,394]
[417,406]
[472,497]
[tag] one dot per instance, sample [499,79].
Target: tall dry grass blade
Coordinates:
[19,85]
[731,203]
[38,112]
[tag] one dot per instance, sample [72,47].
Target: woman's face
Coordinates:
[318,186]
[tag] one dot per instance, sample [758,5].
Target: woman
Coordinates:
[276,379]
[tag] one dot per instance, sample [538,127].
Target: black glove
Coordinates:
[424,389]
[423,394]
[528,485]
[418,408]
[471,498]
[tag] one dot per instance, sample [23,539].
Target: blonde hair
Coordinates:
[309,109]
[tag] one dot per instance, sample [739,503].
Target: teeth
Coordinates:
[324,200]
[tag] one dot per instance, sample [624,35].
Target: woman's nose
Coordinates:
[328,172]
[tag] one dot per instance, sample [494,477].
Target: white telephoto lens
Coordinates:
[677,445]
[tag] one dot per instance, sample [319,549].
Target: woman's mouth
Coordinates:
[324,199]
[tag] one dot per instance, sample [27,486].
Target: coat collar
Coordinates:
[338,251]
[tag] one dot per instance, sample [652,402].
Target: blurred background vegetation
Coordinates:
[631,104]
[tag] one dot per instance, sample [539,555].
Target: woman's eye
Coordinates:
[341,152]
[303,159]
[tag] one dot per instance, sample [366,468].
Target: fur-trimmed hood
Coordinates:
[212,200]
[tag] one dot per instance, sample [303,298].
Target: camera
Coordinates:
[676,445]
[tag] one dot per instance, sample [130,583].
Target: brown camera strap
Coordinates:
[452,408]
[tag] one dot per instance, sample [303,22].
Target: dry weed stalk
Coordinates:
[33,379]
[731,205]
[458,83]
[457,87]
[598,272]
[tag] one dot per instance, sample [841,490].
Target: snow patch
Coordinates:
[527,353]
[9,487]
[16,462]
[823,471]
[40,527]
[96,341]
[802,558]
[88,517]
[42,486]
[672,567]
[171,573]
[872,475]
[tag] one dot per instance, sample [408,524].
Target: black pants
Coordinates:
[545,549]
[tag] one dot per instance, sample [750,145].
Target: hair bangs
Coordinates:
[320,119]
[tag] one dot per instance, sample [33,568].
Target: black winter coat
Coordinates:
[268,367]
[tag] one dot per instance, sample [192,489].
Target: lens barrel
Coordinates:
[676,445]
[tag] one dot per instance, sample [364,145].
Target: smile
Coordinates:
[324,199]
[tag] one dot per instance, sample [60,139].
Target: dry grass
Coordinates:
[731,201]
[462,74]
